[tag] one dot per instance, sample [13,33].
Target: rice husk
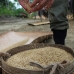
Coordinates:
[43,56]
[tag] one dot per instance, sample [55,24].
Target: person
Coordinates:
[57,16]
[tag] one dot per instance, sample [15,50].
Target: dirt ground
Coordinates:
[21,25]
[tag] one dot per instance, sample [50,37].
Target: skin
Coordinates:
[36,5]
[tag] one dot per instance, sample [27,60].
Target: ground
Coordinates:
[21,24]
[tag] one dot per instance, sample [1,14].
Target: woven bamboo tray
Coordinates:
[9,39]
[6,69]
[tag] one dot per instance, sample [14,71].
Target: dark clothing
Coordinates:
[71,5]
[58,20]
[59,36]
[57,15]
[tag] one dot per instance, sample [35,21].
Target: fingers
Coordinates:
[41,4]
[26,1]
[49,4]
[24,4]
[35,3]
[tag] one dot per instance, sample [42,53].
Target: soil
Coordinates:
[21,25]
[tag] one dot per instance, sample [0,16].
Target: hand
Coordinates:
[39,4]
[25,4]
[36,5]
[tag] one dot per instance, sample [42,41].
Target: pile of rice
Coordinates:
[43,56]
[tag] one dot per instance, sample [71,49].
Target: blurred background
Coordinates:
[13,8]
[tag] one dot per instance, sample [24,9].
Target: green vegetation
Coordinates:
[5,11]
[8,8]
